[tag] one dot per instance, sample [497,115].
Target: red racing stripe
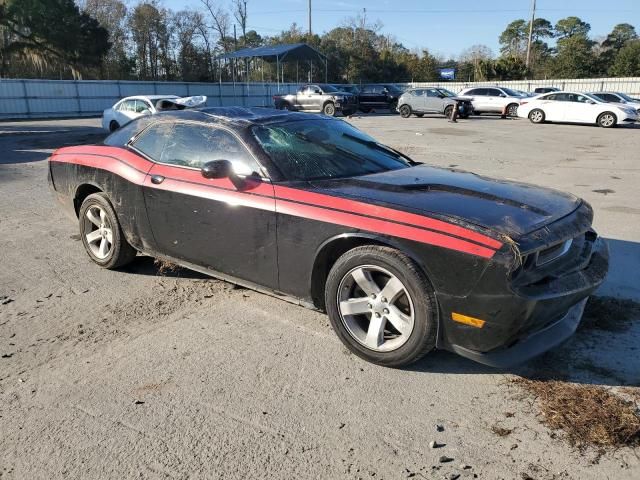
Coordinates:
[324,208]
[383,213]
[382,226]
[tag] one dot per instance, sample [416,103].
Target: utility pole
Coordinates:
[533,17]
[309,20]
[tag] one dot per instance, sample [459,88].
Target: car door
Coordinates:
[553,105]
[125,111]
[226,224]
[479,101]
[367,96]
[495,100]
[432,100]
[580,109]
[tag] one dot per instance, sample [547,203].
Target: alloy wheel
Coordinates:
[98,232]
[607,120]
[536,116]
[376,308]
[513,110]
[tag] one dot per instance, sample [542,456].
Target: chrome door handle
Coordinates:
[157,179]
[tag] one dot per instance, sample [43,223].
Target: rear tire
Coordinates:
[419,115]
[607,120]
[329,109]
[101,234]
[405,111]
[113,126]
[536,116]
[365,109]
[393,107]
[399,325]
[512,110]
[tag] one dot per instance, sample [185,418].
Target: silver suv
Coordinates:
[493,99]
[419,101]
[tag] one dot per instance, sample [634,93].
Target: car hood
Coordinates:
[509,208]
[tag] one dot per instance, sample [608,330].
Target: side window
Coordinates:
[141,106]
[193,145]
[494,92]
[553,96]
[580,98]
[127,106]
[610,98]
[432,92]
[151,142]
[417,93]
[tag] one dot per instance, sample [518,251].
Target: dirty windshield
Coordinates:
[314,150]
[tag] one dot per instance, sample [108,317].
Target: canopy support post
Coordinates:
[278,72]
[325,71]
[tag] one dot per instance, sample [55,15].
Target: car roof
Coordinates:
[239,116]
[149,97]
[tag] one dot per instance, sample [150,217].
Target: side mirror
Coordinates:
[502,95]
[146,111]
[217,169]
[440,95]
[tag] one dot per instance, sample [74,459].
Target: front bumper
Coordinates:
[531,346]
[530,315]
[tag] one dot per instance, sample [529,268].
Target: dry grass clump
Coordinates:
[165,267]
[589,415]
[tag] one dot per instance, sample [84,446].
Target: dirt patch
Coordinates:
[609,314]
[588,415]
[501,431]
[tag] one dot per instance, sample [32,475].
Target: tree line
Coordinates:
[106,39]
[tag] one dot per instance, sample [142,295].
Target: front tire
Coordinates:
[448,111]
[536,116]
[101,234]
[329,109]
[405,111]
[381,306]
[512,109]
[607,120]
[393,107]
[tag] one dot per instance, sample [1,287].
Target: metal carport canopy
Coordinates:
[282,53]
[292,51]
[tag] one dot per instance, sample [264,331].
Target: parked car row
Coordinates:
[546,104]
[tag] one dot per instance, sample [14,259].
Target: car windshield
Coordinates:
[446,92]
[325,149]
[593,97]
[328,88]
[511,93]
[626,97]
[393,89]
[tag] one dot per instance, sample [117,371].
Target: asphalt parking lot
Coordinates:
[169,374]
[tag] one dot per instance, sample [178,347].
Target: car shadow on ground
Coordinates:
[605,350]
[34,143]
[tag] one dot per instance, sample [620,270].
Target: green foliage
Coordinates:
[575,57]
[570,26]
[47,35]
[627,61]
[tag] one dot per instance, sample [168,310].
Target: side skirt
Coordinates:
[234,280]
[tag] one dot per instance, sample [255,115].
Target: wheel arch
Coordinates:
[331,249]
[82,192]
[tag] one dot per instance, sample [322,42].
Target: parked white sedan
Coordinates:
[133,107]
[574,107]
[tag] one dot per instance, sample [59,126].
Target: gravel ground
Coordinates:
[144,374]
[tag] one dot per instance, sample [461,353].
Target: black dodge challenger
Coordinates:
[403,257]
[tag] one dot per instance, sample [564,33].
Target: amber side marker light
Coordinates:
[474,322]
